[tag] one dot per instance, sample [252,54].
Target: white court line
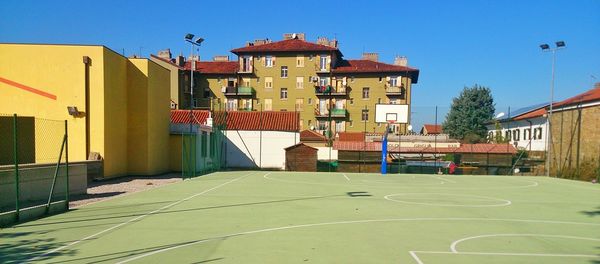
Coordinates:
[354,222]
[419,261]
[134,219]
[346,176]
[455,243]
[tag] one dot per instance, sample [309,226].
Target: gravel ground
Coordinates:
[102,190]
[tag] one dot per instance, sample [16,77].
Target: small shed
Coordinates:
[301,157]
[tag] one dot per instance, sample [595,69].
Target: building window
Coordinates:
[246,82]
[323,63]
[300,61]
[365,93]
[268,61]
[323,81]
[516,134]
[351,101]
[508,135]
[284,72]
[365,115]
[309,101]
[322,125]
[393,81]
[340,126]
[283,94]
[537,133]
[527,134]
[299,82]
[231,105]
[268,104]
[247,64]
[379,100]
[310,124]
[268,82]
[299,104]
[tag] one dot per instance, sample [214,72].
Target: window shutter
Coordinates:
[273,59]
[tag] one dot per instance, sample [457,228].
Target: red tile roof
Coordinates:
[238,120]
[183,116]
[589,96]
[310,135]
[351,136]
[533,114]
[285,45]
[214,67]
[464,148]
[300,144]
[433,129]
[368,66]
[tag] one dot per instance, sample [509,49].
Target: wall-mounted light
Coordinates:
[73,111]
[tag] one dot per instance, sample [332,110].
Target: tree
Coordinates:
[469,113]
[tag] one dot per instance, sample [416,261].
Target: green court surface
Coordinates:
[291,217]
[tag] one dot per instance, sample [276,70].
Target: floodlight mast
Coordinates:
[194,42]
[546,48]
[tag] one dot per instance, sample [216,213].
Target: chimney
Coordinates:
[221,58]
[258,42]
[180,61]
[597,85]
[165,54]
[323,41]
[299,36]
[372,56]
[400,61]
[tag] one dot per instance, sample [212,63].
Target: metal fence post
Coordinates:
[16,160]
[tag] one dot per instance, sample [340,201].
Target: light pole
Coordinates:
[546,48]
[194,42]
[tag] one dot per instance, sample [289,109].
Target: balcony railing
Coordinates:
[335,112]
[240,90]
[395,91]
[330,90]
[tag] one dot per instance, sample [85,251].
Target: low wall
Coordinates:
[35,181]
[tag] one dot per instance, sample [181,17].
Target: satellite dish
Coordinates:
[409,127]
[501,114]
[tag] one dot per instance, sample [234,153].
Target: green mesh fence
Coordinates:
[202,146]
[33,168]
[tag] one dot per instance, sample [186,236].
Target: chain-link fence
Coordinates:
[203,144]
[33,168]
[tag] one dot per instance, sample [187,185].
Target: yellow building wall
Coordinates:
[115,114]
[57,70]
[159,118]
[174,79]
[116,111]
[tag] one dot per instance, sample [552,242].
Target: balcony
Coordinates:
[335,113]
[330,90]
[238,91]
[395,91]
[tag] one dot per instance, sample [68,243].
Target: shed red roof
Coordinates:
[214,67]
[352,136]
[285,45]
[533,114]
[238,120]
[300,144]
[368,66]
[310,135]
[464,148]
[433,129]
[588,96]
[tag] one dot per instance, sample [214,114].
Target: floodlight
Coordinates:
[199,40]
[545,46]
[560,44]
[499,115]
[189,36]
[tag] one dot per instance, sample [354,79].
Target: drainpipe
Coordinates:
[87,61]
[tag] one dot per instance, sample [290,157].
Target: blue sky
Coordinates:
[453,43]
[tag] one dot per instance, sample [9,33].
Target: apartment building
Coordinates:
[310,78]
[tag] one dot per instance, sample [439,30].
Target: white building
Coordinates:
[526,129]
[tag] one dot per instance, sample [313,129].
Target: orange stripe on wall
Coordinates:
[27,88]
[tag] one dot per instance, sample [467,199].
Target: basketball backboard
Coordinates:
[395,113]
